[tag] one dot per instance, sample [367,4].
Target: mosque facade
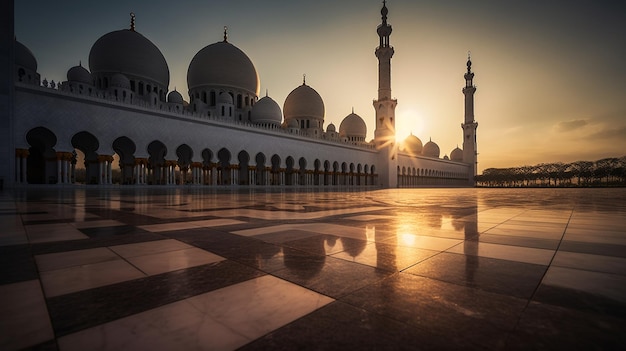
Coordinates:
[120,113]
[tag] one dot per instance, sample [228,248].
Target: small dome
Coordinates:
[266,110]
[413,145]
[431,150]
[304,102]
[293,124]
[121,81]
[79,74]
[353,126]
[225,98]
[223,64]
[456,155]
[445,157]
[331,128]
[24,57]
[128,52]
[175,97]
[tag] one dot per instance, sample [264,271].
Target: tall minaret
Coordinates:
[470,154]
[385,106]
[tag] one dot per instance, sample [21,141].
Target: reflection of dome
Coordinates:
[413,145]
[225,98]
[266,110]
[331,128]
[304,102]
[431,149]
[353,126]
[24,57]
[223,64]
[130,53]
[79,74]
[175,97]
[456,155]
[121,81]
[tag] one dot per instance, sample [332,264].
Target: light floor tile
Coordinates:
[425,242]
[286,215]
[149,247]
[505,252]
[29,323]
[589,262]
[59,260]
[173,260]
[608,285]
[320,228]
[72,279]
[367,218]
[257,306]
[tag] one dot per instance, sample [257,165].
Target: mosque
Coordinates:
[119,112]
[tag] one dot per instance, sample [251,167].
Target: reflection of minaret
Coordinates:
[470,245]
[385,106]
[470,154]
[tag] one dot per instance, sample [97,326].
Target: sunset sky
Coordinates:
[550,75]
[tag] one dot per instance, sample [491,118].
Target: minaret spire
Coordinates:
[132,21]
[225,34]
[470,154]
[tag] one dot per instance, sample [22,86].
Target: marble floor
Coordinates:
[199,269]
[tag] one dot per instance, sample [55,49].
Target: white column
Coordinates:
[110,172]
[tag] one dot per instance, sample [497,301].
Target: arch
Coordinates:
[41,162]
[302,171]
[185,156]
[87,143]
[289,172]
[125,148]
[260,169]
[223,166]
[156,161]
[207,157]
[326,172]
[317,164]
[275,170]
[244,160]
[335,175]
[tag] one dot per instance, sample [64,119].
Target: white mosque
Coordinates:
[120,113]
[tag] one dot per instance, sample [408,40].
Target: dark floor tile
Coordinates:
[339,326]
[501,276]
[594,248]
[536,243]
[580,300]
[548,327]
[103,232]
[451,311]
[73,312]
[327,275]
[48,221]
[286,236]
[248,251]
[50,345]
[97,241]
[17,264]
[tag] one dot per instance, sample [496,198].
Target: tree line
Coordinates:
[605,172]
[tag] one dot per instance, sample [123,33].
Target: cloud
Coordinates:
[568,126]
[618,132]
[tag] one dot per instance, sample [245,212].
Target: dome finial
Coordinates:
[266,93]
[304,79]
[352,109]
[80,63]
[469,62]
[226,34]
[132,21]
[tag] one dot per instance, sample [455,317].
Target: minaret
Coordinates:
[470,154]
[385,106]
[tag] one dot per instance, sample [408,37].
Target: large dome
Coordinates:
[304,102]
[413,145]
[353,126]
[266,110]
[24,57]
[130,53]
[222,64]
[431,150]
